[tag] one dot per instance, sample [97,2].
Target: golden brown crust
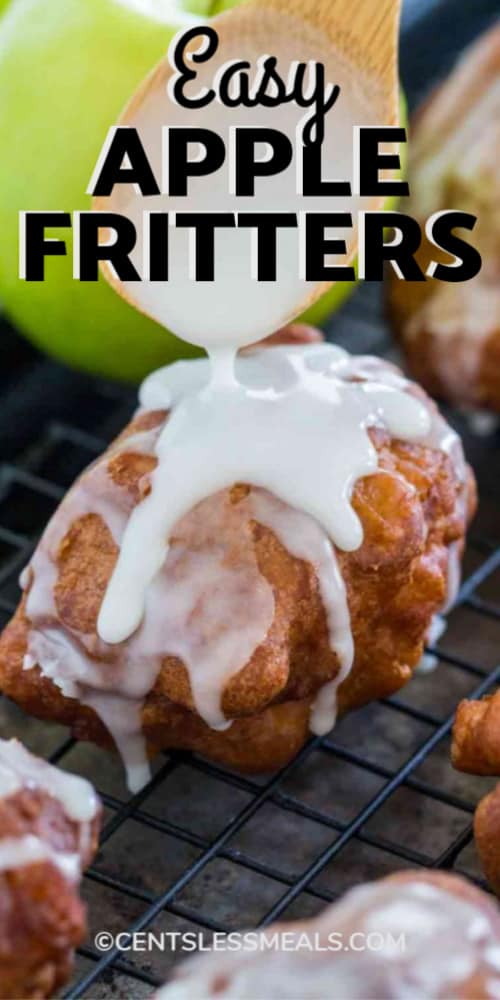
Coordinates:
[487,836]
[42,919]
[451,333]
[476,750]
[459,367]
[476,736]
[395,582]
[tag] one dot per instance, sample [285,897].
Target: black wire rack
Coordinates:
[223,851]
[201,848]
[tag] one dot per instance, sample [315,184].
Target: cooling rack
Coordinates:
[201,848]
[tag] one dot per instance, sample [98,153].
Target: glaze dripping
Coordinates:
[20,769]
[184,583]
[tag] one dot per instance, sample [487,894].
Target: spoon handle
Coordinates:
[364,31]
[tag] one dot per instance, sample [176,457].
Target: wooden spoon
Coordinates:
[366,32]
[361,34]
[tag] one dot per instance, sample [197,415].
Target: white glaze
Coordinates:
[21,769]
[304,438]
[71,659]
[17,852]
[303,538]
[292,401]
[436,630]
[447,940]
[202,598]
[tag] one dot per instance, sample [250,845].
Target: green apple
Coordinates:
[67,68]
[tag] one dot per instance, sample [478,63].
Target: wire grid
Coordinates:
[202,848]
[290,847]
